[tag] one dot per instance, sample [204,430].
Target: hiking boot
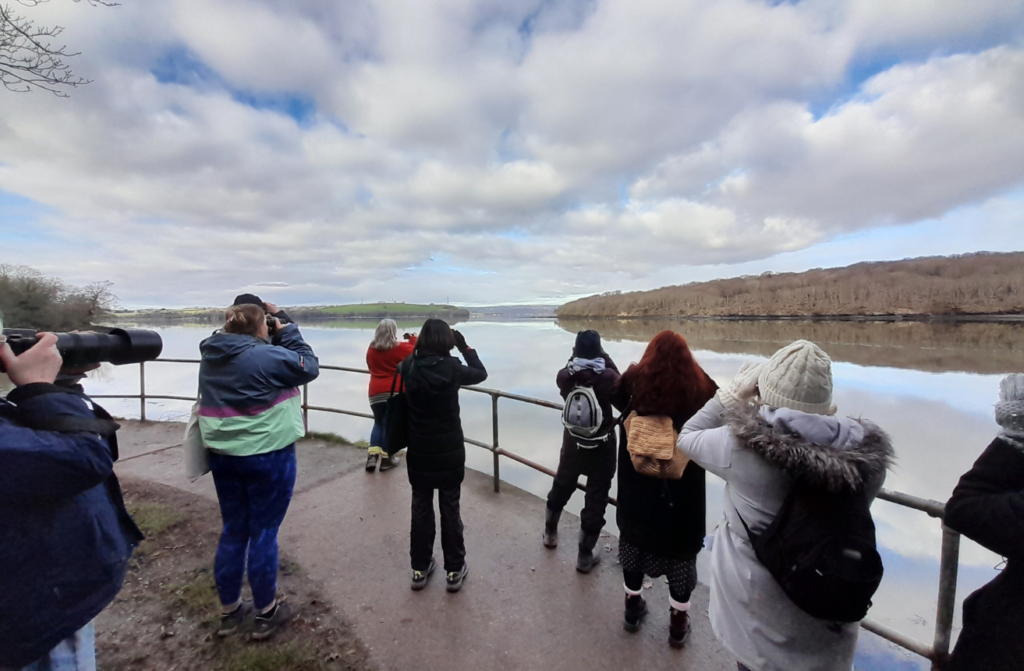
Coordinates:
[550,536]
[587,559]
[420,578]
[678,628]
[233,621]
[455,579]
[387,463]
[270,622]
[636,608]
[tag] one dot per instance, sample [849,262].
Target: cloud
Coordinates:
[543,148]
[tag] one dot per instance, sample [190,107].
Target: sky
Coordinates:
[512,151]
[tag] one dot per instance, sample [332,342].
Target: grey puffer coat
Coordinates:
[757,451]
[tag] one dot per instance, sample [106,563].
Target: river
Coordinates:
[930,386]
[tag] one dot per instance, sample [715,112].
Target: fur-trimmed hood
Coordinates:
[841,454]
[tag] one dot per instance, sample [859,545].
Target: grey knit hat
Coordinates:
[1010,408]
[798,376]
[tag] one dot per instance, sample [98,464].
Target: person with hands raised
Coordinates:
[67,535]
[382,358]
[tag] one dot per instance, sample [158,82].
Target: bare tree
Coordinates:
[28,56]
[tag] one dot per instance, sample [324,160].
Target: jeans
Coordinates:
[377,433]
[598,464]
[74,653]
[254,493]
[421,537]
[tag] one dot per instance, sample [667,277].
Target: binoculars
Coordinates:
[118,346]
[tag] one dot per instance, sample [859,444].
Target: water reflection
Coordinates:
[925,346]
[931,386]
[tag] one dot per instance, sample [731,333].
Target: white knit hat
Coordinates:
[1010,408]
[798,376]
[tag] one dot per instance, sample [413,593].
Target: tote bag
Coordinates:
[396,419]
[197,456]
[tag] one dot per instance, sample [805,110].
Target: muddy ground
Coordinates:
[165,617]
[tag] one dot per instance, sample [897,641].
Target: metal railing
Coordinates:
[937,652]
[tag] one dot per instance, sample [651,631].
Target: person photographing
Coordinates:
[67,535]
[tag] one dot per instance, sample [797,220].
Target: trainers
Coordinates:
[371,461]
[387,463]
[678,628]
[456,578]
[636,608]
[420,578]
[270,622]
[233,621]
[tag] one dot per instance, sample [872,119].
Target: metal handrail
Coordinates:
[949,559]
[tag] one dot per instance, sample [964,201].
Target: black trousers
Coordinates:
[598,464]
[421,537]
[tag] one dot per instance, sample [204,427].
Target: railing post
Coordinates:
[305,406]
[497,455]
[142,391]
[948,565]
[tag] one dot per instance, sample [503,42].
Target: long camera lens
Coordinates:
[119,346]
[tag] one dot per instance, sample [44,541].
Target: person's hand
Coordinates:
[460,340]
[41,363]
[743,387]
[270,308]
[277,324]
[406,336]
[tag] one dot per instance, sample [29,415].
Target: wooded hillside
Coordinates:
[31,300]
[982,283]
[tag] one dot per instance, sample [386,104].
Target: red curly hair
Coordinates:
[668,380]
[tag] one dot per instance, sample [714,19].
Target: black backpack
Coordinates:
[820,548]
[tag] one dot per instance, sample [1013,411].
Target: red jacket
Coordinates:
[382,365]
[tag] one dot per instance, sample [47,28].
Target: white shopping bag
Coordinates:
[197,456]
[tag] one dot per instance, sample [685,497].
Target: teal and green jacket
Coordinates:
[249,397]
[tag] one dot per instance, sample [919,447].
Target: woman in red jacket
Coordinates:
[382,358]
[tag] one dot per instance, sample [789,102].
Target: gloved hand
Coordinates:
[743,387]
[460,341]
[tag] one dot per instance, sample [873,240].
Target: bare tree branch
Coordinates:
[28,57]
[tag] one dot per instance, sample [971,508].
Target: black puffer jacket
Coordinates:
[987,506]
[437,448]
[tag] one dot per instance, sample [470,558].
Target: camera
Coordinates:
[118,346]
[271,325]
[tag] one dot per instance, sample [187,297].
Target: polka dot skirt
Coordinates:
[681,573]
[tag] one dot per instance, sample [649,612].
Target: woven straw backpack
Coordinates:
[651,442]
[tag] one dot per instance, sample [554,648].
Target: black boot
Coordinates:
[550,536]
[636,608]
[678,628]
[587,558]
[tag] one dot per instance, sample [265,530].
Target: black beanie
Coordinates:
[249,299]
[588,345]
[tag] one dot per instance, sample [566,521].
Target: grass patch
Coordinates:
[293,655]
[329,437]
[196,597]
[154,518]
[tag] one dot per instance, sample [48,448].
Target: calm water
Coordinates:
[931,387]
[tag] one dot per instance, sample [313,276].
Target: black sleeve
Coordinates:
[621,395]
[987,505]
[608,363]
[283,316]
[473,372]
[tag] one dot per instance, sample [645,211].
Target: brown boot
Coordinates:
[678,628]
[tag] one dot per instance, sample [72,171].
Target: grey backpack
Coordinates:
[582,415]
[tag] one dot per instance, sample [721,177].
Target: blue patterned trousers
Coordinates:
[254,493]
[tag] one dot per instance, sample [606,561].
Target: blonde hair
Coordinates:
[386,335]
[244,319]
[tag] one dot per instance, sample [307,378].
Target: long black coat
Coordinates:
[437,448]
[665,517]
[987,506]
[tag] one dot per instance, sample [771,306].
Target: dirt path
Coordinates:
[523,607]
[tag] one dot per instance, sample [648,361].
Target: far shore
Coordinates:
[945,318]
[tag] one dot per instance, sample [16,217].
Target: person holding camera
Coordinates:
[67,537]
[437,447]
[250,415]
[382,359]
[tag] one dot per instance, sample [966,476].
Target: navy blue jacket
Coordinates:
[65,536]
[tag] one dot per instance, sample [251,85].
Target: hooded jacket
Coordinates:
[65,536]
[249,397]
[437,447]
[987,506]
[759,452]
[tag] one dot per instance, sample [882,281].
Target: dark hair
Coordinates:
[668,380]
[244,319]
[435,337]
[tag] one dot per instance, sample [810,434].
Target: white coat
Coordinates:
[755,450]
